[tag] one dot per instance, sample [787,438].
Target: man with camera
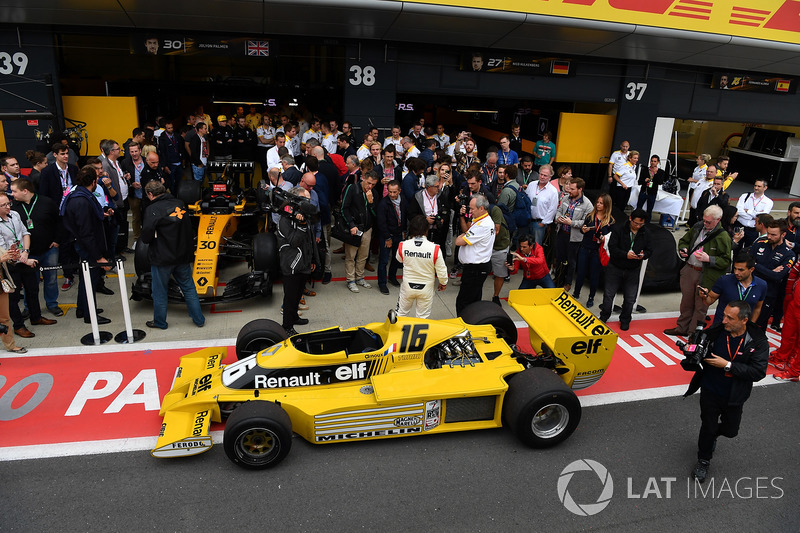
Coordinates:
[433,204]
[298,253]
[707,251]
[727,359]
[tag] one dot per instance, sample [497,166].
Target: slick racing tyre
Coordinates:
[265,253]
[140,261]
[258,335]
[258,435]
[189,192]
[484,313]
[540,409]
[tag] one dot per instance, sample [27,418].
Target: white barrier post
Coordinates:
[96,337]
[130,335]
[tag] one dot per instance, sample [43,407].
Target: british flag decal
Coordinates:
[258,48]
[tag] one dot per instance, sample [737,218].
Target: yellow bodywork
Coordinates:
[212,229]
[394,388]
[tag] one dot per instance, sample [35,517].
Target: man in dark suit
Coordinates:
[83,218]
[390,220]
[713,196]
[290,172]
[57,178]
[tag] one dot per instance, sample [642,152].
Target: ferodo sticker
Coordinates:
[184,448]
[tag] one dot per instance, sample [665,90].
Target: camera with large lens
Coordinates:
[695,350]
[289,205]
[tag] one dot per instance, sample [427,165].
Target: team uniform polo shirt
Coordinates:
[312,134]
[443,140]
[749,207]
[480,241]
[329,143]
[618,159]
[730,290]
[398,144]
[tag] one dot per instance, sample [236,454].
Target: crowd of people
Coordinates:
[495,212]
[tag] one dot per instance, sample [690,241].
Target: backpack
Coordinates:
[520,216]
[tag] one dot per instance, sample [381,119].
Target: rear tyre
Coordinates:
[540,409]
[483,313]
[265,253]
[258,335]
[140,261]
[189,192]
[258,435]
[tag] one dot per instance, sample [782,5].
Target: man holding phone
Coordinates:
[707,251]
[741,285]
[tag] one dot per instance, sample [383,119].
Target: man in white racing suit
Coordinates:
[423,262]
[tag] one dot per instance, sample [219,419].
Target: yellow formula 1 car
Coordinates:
[227,228]
[402,377]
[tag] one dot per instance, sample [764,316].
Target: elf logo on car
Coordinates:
[405,421]
[202,384]
[351,372]
[586,347]
[199,422]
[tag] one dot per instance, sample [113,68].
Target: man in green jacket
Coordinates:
[707,250]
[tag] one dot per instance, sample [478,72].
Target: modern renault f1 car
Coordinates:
[227,228]
[403,377]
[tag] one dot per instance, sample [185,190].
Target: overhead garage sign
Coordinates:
[772,20]
[159,45]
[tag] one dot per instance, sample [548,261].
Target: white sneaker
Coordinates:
[363,283]
[352,286]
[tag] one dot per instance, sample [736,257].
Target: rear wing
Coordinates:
[559,324]
[188,412]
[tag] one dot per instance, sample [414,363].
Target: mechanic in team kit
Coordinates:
[475,252]
[423,262]
[168,230]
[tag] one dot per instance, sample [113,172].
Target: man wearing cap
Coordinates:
[222,140]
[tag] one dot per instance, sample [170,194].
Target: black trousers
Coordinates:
[620,196]
[293,285]
[25,278]
[628,280]
[471,290]
[717,418]
[770,305]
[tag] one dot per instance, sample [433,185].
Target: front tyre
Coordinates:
[540,409]
[258,435]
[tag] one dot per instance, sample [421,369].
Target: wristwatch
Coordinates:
[728,366]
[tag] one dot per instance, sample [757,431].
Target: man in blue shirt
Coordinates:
[741,285]
[506,156]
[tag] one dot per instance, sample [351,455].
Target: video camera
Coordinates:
[276,200]
[695,351]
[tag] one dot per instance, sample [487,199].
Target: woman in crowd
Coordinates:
[38,161]
[595,228]
[650,179]
[625,178]
[564,174]
[697,184]
[12,255]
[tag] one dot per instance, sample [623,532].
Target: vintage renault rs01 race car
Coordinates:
[402,377]
[227,228]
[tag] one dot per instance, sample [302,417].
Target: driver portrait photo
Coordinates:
[151,45]
[477,61]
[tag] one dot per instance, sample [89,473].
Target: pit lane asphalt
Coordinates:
[471,481]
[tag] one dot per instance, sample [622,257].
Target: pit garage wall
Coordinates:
[642,92]
[35,89]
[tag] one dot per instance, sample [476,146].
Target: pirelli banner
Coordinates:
[771,20]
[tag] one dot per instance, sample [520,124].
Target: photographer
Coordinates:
[298,254]
[433,204]
[738,358]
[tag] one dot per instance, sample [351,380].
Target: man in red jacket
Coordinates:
[787,357]
[534,266]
